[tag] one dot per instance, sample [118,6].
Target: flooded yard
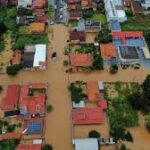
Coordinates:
[58,130]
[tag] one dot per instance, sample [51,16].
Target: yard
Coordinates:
[121,114]
[134,23]
[99,17]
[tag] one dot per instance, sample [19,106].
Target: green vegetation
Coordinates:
[99,17]
[76,91]
[94,134]
[8,18]
[23,39]
[9,144]
[24,12]
[51,11]
[135,24]
[73,23]
[11,128]
[14,69]
[104,36]
[140,100]
[121,114]
[66,62]
[2,43]
[123,147]
[49,108]
[113,69]
[147,119]
[47,147]
[23,30]
[147,38]
[86,69]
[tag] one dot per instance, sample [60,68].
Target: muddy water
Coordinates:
[58,123]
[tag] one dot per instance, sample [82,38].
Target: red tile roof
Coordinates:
[81,60]
[39,4]
[86,116]
[29,147]
[12,97]
[16,57]
[24,90]
[77,36]
[85,3]
[31,103]
[75,15]
[93,91]
[102,104]
[107,50]
[11,135]
[127,34]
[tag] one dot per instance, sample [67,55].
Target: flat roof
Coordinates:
[40,55]
[86,144]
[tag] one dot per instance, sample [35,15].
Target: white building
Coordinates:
[40,57]
[24,3]
[146,4]
[114,10]
[86,144]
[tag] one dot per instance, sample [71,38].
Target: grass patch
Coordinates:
[2,43]
[99,17]
[23,30]
[134,24]
[73,23]
[24,39]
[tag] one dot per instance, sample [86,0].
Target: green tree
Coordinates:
[135,100]
[123,147]
[94,134]
[49,108]
[66,63]
[147,119]
[104,36]
[128,137]
[98,62]
[11,128]
[113,69]
[47,147]
[14,69]
[76,93]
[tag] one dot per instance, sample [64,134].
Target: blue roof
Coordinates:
[115,25]
[34,128]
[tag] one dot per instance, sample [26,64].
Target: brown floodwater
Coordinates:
[58,130]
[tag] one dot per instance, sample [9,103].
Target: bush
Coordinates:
[14,69]
[123,147]
[147,119]
[113,69]
[98,62]
[11,128]
[94,134]
[86,69]
[128,137]
[49,108]
[76,93]
[66,63]
[47,147]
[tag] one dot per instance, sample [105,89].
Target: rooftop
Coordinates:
[81,60]
[29,147]
[87,116]
[107,50]
[12,97]
[37,27]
